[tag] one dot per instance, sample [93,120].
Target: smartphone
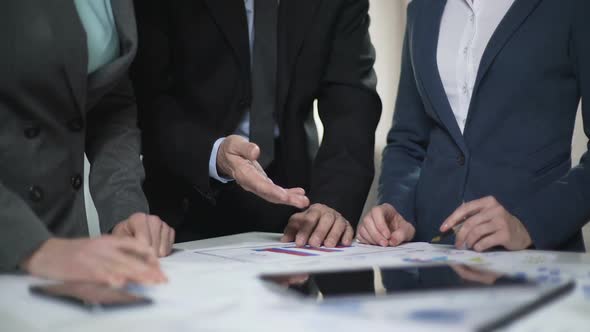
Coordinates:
[90,296]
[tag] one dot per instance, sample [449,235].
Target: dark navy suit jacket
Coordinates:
[517,141]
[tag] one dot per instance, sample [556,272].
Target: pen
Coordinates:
[446,234]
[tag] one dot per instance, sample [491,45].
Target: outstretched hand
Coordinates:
[237,158]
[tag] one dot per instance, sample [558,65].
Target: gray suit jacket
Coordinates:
[51,113]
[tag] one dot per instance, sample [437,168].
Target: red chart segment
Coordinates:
[286,252]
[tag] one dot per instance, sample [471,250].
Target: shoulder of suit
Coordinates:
[414,6]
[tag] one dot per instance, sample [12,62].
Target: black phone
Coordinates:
[90,296]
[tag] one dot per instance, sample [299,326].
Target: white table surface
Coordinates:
[231,299]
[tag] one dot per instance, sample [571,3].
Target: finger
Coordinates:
[257,183]
[292,227]
[134,247]
[375,234]
[381,223]
[471,223]
[253,179]
[133,269]
[252,152]
[241,147]
[94,269]
[363,236]
[469,274]
[322,229]
[155,227]
[172,238]
[297,191]
[139,227]
[366,235]
[493,240]
[348,235]
[123,261]
[296,197]
[310,220]
[463,212]
[165,244]
[404,233]
[336,233]
[109,278]
[479,232]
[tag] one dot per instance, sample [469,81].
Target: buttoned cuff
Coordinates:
[213,163]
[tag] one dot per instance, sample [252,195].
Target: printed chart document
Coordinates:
[282,255]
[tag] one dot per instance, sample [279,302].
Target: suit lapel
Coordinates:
[76,68]
[424,44]
[103,78]
[516,16]
[295,19]
[518,13]
[230,15]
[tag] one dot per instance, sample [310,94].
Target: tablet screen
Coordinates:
[383,281]
[90,295]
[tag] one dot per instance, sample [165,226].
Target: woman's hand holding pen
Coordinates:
[487,224]
[384,226]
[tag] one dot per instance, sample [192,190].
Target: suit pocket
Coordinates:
[553,164]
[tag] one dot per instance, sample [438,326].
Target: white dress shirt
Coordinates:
[465,31]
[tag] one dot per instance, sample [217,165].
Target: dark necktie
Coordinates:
[264,78]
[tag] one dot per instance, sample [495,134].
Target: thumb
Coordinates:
[398,237]
[401,235]
[249,151]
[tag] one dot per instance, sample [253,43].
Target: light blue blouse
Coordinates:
[101,32]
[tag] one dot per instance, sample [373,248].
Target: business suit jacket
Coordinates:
[192,77]
[517,141]
[51,112]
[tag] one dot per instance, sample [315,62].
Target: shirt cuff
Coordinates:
[213,163]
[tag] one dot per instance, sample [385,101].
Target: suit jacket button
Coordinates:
[32,132]
[77,182]
[35,194]
[461,160]
[75,125]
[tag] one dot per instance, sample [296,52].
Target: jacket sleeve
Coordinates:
[22,231]
[407,140]
[180,144]
[560,210]
[349,108]
[113,149]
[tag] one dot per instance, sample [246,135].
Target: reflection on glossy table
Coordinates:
[201,297]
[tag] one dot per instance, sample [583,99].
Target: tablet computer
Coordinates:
[483,300]
[90,296]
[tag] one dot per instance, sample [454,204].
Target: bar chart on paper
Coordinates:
[272,252]
[277,253]
[306,251]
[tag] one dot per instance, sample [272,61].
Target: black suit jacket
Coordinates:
[192,77]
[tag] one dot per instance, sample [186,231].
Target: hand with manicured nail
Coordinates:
[487,224]
[384,226]
[111,260]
